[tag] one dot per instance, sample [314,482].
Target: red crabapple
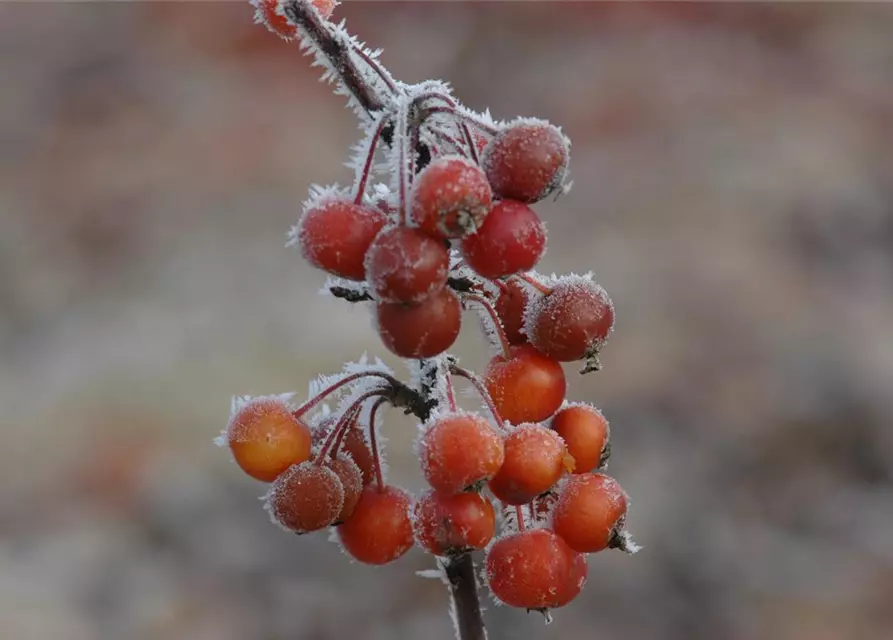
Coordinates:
[351,481]
[451,197]
[534,569]
[307,497]
[511,306]
[356,446]
[405,264]
[572,322]
[379,531]
[266,439]
[526,386]
[459,451]
[527,160]
[535,459]
[511,239]
[445,524]
[421,330]
[335,236]
[585,431]
[590,508]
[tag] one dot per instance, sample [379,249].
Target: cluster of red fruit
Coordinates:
[456,229]
[327,472]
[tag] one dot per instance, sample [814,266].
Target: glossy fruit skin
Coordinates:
[588,510]
[526,161]
[527,386]
[535,459]
[266,439]
[379,531]
[356,446]
[572,322]
[533,569]
[421,330]
[511,306]
[460,450]
[451,197]
[446,524]
[307,497]
[511,239]
[351,482]
[336,235]
[405,264]
[585,432]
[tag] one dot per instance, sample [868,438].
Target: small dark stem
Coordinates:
[459,284]
[337,51]
[373,443]
[469,619]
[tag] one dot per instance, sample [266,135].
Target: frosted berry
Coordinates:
[511,306]
[446,524]
[460,450]
[585,431]
[535,459]
[526,161]
[526,386]
[335,236]
[405,264]
[307,497]
[266,439]
[590,508]
[351,481]
[511,239]
[451,197]
[572,322]
[421,330]
[533,569]
[379,531]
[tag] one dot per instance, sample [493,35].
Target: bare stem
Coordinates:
[481,389]
[494,318]
[469,619]
[344,422]
[373,443]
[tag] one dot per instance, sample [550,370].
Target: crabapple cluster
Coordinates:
[439,220]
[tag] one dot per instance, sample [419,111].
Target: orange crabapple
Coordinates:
[585,432]
[307,497]
[265,438]
[535,459]
[526,386]
[379,531]
[460,451]
[589,510]
[351,479]
[445,524]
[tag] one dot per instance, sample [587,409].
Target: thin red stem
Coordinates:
[370,156]
[472,148]
[344,423]
[462,116]
[373,443]
[497,323]
[533,282]
[377,68]
[479,386]
[519,511]
[312,402]
[351,423]
[451,395]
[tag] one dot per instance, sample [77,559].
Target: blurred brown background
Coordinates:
[734,194]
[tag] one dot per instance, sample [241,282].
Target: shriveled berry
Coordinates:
[585,431]
[270,12]
[407,265]
[460,450]
[451,197]
[351,481]
[511,307]
[572,322]
[452,523]
[589,509]
[511,239]
[307,497]
[266,439]
[527,160]
[526,386]
[535,459]
[335,236]
[379,531]
[421,330]
[533,569]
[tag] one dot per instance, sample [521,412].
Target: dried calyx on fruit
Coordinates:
[439,220]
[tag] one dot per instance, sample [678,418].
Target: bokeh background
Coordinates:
[734,194]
